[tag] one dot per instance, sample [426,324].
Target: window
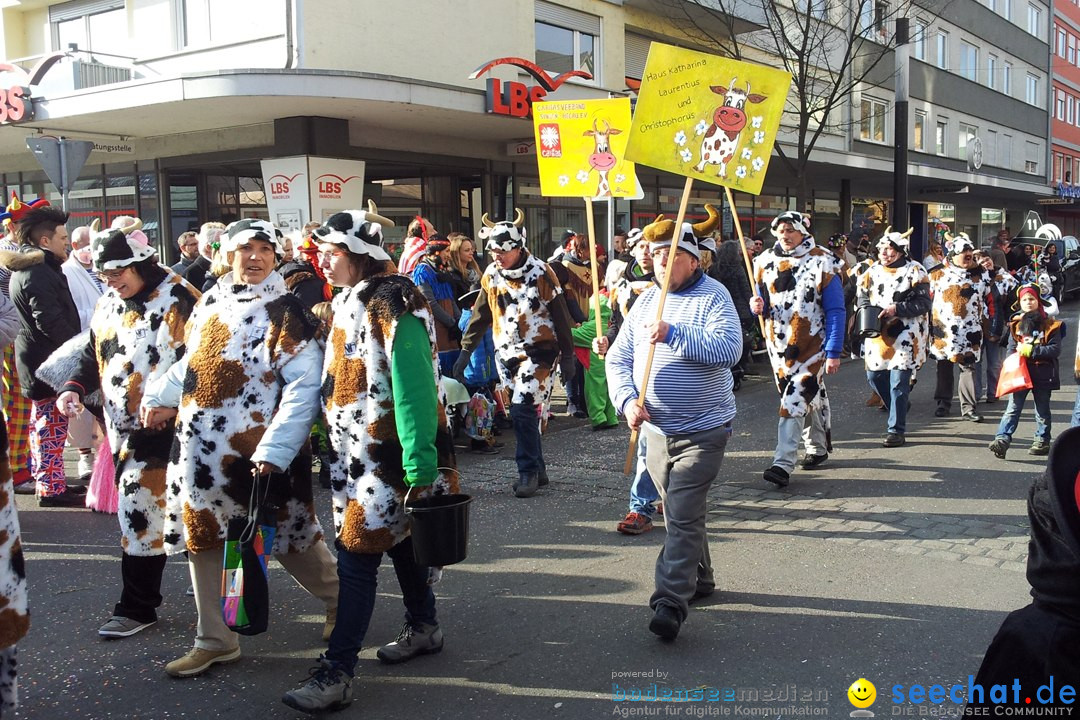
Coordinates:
[92,25]
[567,40]
[969,60]
[940,137]
[1072,50]
[1070,114]
[1006,78]
[991,71]
[1006,151]
[1061,42]
[1034,20]
[1006,9]
[1059,104]
[1031,89]
[920,130]
[637,52]
[872,14]
[992,4]
[990,148]
[817,9]
[967,134]
[918,40]
[213,22]
[1057,168]
[1031,157]
[872,120]
[941,50]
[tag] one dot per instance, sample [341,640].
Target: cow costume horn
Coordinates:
[504,235]
[660,232]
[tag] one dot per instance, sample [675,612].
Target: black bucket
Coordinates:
[440,529]
[867,322]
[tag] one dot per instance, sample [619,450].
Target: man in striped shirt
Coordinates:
[688,406]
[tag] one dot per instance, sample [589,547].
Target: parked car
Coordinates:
[1070,266]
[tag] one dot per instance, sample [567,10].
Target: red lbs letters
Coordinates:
[16,105]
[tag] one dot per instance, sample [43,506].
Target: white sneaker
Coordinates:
[86,466]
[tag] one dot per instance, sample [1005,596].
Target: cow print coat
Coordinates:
[135,342]
[526,346]
[366,471]
[240,338]
[958,313]
[903,340]
[795,321]
[14,617]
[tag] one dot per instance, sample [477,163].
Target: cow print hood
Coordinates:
[799,250]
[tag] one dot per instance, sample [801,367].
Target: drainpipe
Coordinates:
[294,13]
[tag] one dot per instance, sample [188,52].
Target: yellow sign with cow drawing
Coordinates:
[707,117]
[581,148]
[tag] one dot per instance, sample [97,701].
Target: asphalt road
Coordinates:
[895,565]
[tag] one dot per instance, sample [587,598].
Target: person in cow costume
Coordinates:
[136,334]
[799,291]
[244,396]
[390,441]
[961,289]
[900,287]
[522,301]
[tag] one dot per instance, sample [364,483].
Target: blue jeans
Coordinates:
[643,491]
[529,455]
[893,387]
[1076,410]
[1011,418]
[358,578]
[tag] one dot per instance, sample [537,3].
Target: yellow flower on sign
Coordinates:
[721,113]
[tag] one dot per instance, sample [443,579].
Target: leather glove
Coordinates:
[460,364]
[568,368]
[1025,349]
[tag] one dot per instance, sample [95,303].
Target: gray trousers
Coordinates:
[809,428]
[684,466]
[965,388]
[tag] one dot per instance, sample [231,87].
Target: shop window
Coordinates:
[872,120]
[213,22]
[90,25]
[567,40]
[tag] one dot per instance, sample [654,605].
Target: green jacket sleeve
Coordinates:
[415,400]
[585,332]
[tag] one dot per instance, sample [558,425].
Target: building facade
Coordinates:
[185,98]
[1063,209]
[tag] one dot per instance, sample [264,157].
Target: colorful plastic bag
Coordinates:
[1014,375]
[245,592]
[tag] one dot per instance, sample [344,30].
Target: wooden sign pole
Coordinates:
[745,254]
[591,223]
[628,466]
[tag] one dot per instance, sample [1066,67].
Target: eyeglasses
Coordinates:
[665,251]
[329,255]
[108,275]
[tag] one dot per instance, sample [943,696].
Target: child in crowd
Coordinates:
[1037,337]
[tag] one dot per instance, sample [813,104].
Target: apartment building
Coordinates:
[185,98]
[1063,208]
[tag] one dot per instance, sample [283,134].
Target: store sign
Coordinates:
[515,99]
[304,188]
[1068,191]
[16,105]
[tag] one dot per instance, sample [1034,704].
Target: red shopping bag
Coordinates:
[1014,375]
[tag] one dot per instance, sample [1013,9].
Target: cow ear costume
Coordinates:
[358,230]
[120,247]
[661,232]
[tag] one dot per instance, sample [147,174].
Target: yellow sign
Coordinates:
[707,117]
[581,148]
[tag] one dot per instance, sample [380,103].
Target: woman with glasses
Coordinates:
[244,396]
[391,442]
[136,334]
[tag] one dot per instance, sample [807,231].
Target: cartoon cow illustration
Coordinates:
[722,138]
[602,159]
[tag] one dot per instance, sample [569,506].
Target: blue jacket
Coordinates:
[481,369]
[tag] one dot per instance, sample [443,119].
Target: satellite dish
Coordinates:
[975,153]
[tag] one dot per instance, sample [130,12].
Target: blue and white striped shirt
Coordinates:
[690,388]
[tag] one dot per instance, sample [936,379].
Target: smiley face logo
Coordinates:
[862,693]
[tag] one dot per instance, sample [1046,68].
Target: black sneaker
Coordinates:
[777,476]
[812,461]
[665,623]
[893,440]
[1000,447]
[1039,447]
[526,485]
[941,411]
[542,479]
[327,688]
[66,499]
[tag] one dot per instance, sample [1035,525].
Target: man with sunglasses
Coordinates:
[799,290]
